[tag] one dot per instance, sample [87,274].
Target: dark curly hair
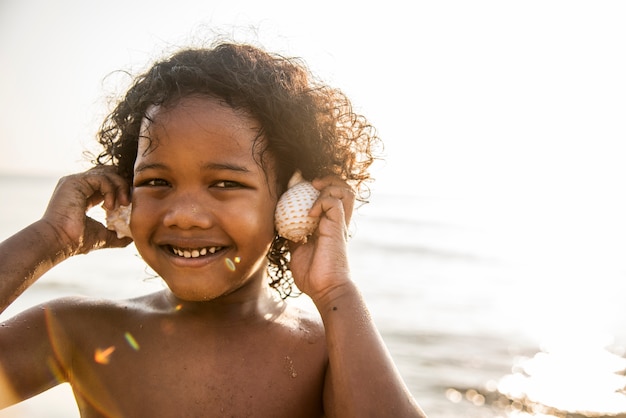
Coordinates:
[305,124]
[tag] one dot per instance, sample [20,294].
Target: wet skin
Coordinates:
[217,341]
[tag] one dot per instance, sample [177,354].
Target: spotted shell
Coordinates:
[291,217]
[118,220]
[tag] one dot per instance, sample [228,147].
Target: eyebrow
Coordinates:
[226,166]
[209,166]
[145,166]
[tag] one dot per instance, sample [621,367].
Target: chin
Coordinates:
[195,294]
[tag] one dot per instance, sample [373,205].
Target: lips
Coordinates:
[194,252]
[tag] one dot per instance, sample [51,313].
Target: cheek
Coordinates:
[259,219]
[142,213]
[268,210]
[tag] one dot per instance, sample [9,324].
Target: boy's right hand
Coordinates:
[73,196]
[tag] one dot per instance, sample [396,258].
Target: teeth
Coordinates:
[194,253]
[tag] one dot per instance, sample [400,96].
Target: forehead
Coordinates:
[192,115]
[204,129]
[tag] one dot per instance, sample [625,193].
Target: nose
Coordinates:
[188,211]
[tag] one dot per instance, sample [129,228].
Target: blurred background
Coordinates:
[492,251]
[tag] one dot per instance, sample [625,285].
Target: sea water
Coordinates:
[491,307]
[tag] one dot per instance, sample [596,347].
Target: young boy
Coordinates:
[203,145]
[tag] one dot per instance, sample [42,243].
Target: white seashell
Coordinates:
[118,220]
[291,217]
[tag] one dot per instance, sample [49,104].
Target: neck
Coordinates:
[242,305]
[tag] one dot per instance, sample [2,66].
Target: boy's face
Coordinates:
[203,208]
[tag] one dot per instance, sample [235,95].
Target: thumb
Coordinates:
[97,237]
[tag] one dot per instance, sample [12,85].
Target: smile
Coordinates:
[194,252]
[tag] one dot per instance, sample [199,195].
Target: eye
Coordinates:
[227,184]
[153,183]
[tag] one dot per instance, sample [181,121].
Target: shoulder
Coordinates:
[73,305]
[77,320]
[303,320]
[65,308]
[63,318]
[84,309]
[49,335]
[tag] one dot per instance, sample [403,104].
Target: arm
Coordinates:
[64,230]
[362,380]
[33,350]
[24,258]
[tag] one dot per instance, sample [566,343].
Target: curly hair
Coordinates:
[305,124]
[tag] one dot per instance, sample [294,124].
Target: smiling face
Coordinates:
[203,207]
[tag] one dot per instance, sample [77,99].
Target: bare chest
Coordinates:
[151,372]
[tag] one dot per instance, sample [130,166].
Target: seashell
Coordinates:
[118,220]
[291,217]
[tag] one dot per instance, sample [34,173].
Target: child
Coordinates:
[203,144]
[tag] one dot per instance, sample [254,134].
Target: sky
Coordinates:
[470,97]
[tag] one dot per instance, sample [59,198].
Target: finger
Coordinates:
[323,182]
[335,186]
[112,241]
[122,187]
[107,187]
[330,211]
[344,196]
[330,207]
[97,237]
[339,191]
[115,189]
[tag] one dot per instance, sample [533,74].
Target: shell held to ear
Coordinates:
[291,217]
[118,220]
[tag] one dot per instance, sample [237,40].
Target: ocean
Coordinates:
[491,306]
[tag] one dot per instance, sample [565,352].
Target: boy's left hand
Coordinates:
[321,265]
